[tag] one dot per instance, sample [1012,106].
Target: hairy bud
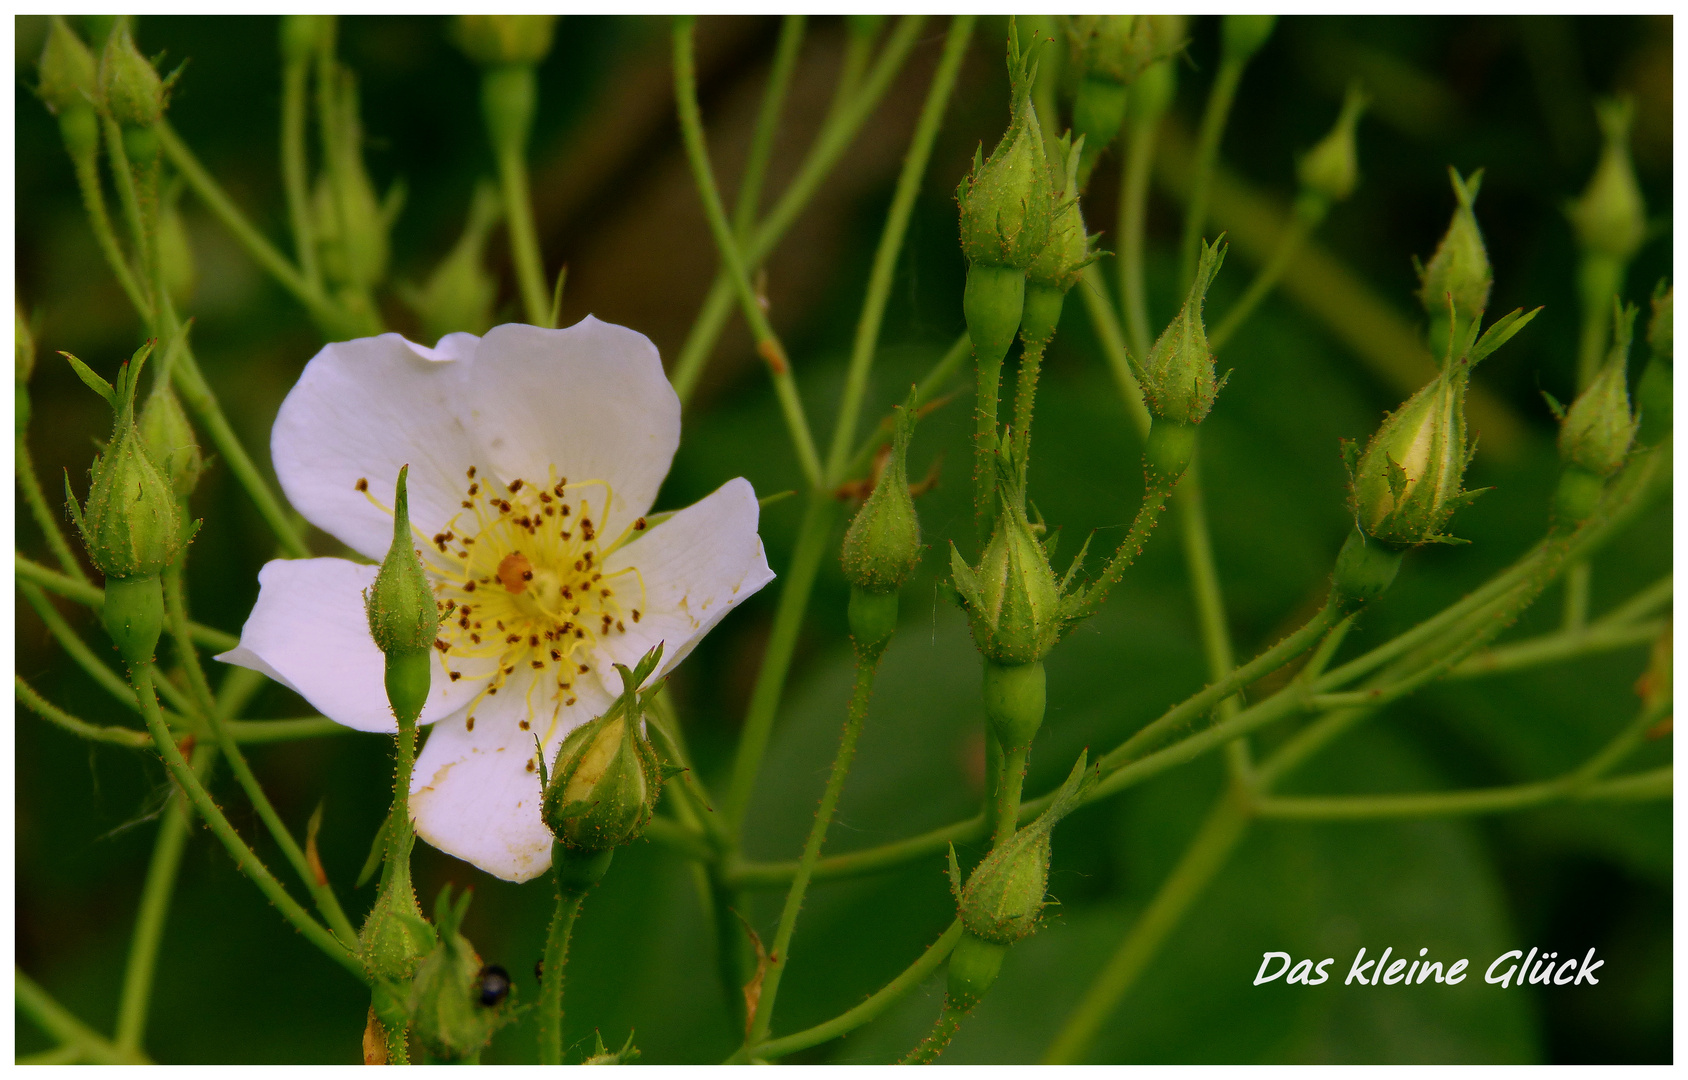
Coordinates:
[1178,374]
[607,778]
[133,93]
[882,546]
[1599,428]
[453,1015]
[1459,269]
[69,73]
[1006,203]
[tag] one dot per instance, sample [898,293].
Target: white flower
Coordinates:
[534,455]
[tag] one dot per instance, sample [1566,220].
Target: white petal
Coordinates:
[360,410]
[696,566]
[590,400]
[308,631]
[472,794]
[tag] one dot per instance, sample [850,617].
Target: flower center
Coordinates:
[520,579]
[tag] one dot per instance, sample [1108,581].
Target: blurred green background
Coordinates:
[614,202]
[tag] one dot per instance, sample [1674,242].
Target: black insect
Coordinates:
[494,985]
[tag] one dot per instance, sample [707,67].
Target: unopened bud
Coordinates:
[882,546]
[1407,482]
[133,93]
[69,73]
[1178,375]
[496,40]
[1599,427]
[1242,35]
[1460,268]
[1068,250]
[352,224]
[1610,218]
[1006,203]
[170,440]
[1013,600]
[452,1013]
[403,616]
[1005,894]
[1331,169]
[607,777]
[395,937]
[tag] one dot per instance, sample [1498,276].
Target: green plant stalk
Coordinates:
[853,106]
[1599,279]
[1025,395]
[1209,601]
[248,732]
[925,391]
[819,515]
[24,466]
[767,342]
[943,1030]
[82,729]
[93,596]
[1641,605]
[1552,648]
[876,1004]
[331,318]
[1207,853]
[93,202]
[249,863]
[1133,216]
[1105,321]
[987,387]
[1005,815]
[64,1054]
[129,197]
[79,651]
[550,1018]
[524,237]
[1148,514]
[880,278]
[175,613]
[1310,210]
[295,76]
[867,664]
[59,1022]
[155,909]
[1214,116]
[767,125]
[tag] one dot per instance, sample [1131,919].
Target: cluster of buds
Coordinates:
[1455,283]
[606,780]
[1654,392]
[130,522]
[1005,895]
[882,545]
[456,1002]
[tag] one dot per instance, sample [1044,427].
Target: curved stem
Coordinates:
[155,909]
[129,197]
[93,202]
[24,467]
[891,242]
[1310,210]
[882,999]
[550,1018]
[1133,213]
[767,124]
[767,342]
[928,1049]
[82,729]
[295,77]
[59,1022]
[78,650]
[867,663]
[93,596]
[1217,112]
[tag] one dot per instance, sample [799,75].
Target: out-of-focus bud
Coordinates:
[352,224]
[1178,376]
[1013,599]
[1242,35]
[1331,169]
[175,252]
[1610,218]
[497,40]
[1653,394]
[403,615]
[1599,427]
[602,1055]
[607,776]
[460,294]
[1459,269]
[69,73]
[170,440]
[23,352]
[1109,52]
[1005,894]
[452,1014]
[130,88]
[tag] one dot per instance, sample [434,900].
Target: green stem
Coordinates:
[43,514]
[767,342]
[1155,495]
[926,390]
[155,909]
[84,657]
[767,125]
[129,198]
[248,732]
[295,75]
[891,243]
[508,97]
[853,105]
[812,535]
[175,611]
[550,1018]
[1209,601]
[1310,210]
[1217,112]
[93,201]
[1005,816]
[94,597]
[1105,321]
[249,863]
[882,999]
[928,1049]
[59,1022]
[1133,214]
[1551,648]
[82,729]
[1577,580]
[1207,853]
[867,663]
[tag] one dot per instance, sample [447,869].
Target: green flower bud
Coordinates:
[1152,93]
[69,73]
[1610,218]
[1068,250]
[973,967]
[175,253]
[1407,483]
[1653,393]
[1242,35]
[1006,202]
[129,522]
[130,88]
[1012,598]
[351,223]
[80,130]
[1112,48]
[452,1014]
[395,937]
[495,40]
[460,293]
[993,303]
[1331,169]
[1599,427]
[1005,894]
[1178,376]
[607,777]
[403,614]
[1459,269]
[882,546]
[170,440]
